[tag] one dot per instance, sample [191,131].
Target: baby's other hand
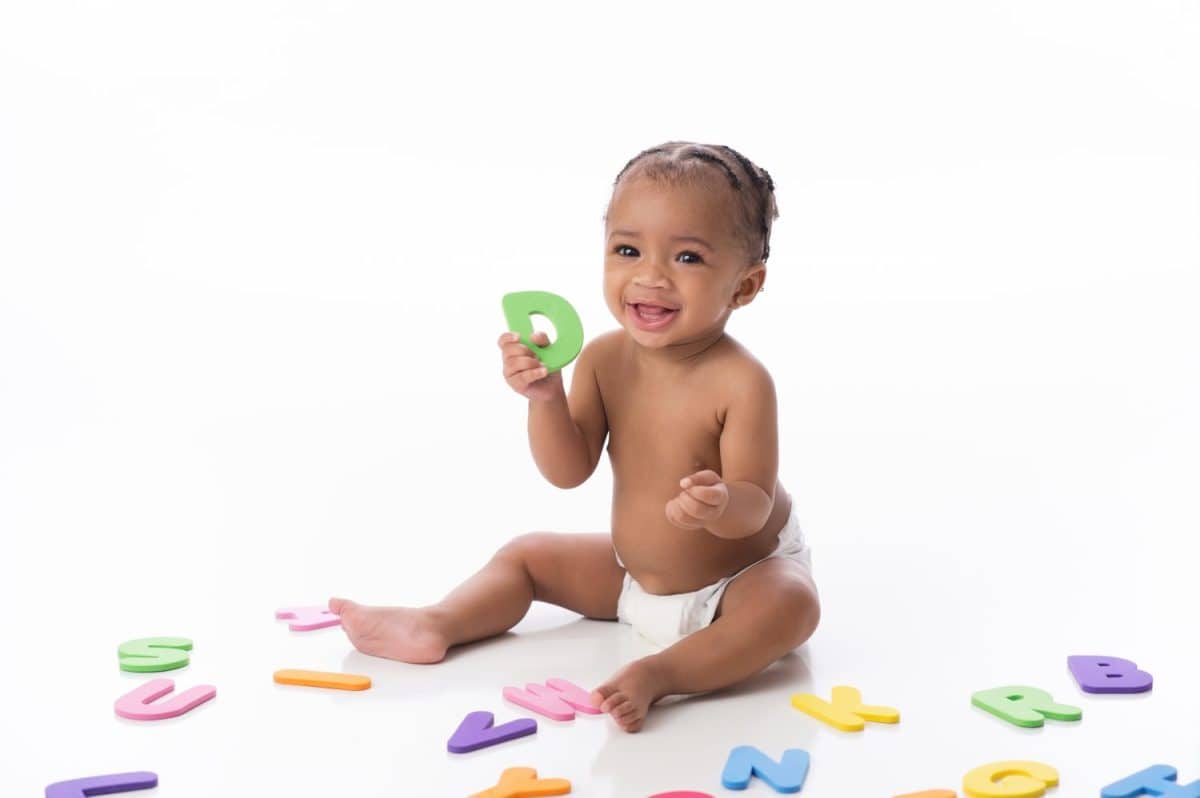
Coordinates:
[701,501]
[523,372]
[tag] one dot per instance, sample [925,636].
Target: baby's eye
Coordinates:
[619,250]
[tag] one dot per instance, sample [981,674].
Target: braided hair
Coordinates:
[754,191]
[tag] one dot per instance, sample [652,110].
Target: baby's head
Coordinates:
[687,235]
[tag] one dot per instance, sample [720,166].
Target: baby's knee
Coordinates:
[523,547]
[799,610]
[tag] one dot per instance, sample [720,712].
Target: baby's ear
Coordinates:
[750,284]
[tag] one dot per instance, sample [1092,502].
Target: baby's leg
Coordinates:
[766,612]
[579,572]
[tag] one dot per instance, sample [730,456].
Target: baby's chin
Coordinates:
[647,341]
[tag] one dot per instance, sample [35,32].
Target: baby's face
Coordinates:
[672,262]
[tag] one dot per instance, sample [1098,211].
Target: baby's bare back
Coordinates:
[665,424]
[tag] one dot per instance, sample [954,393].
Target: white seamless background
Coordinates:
[251,261]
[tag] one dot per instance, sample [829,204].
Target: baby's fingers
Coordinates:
[705,477]
[513,347]
[516,365]
[531,375]
[540,338]
[696,509]
[679,518]
[714,495]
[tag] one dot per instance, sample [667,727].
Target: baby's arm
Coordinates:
[749,454]
[566,434]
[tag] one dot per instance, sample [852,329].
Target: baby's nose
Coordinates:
[651,270]
[650,276]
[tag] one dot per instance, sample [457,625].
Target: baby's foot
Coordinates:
[629,692]
[403,633]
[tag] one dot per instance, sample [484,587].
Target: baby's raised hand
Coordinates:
[701,501]
[523,372]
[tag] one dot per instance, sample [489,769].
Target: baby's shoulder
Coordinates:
[602,349]
[737,367]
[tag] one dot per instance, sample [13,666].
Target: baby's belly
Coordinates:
[666,559]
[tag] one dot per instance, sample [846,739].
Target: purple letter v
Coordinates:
[476,731]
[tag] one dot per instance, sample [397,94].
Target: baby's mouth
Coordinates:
[651,317]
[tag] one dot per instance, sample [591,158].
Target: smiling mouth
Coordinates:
[650,317]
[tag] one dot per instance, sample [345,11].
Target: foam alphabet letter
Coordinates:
[746,762]
[325,679]
[1157,780]
[556,700]
[102,785]
[1023,706]
[1108,675]
[846,712]
[524,783]
[930,794]
[138,704]
[154,654]
[568,339]
[476,731]
[306,619]
[1010,780]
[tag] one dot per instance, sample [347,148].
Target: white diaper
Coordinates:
[663,620]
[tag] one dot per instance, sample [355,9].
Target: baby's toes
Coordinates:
[615,702]
[601,693]
[629,717]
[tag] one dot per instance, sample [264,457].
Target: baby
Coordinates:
[706,557]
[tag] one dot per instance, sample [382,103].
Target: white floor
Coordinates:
[916,627]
